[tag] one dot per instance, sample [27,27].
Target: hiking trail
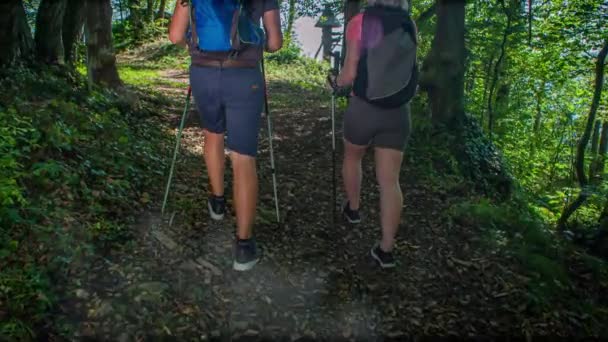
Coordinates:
[314,281]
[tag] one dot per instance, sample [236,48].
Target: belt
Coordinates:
[226,63]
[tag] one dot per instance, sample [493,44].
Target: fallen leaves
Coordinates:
[314,280]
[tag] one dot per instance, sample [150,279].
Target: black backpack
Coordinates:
[387,74]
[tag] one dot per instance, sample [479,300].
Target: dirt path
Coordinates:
[314,281]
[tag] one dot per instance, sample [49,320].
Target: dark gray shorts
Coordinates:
[365,124]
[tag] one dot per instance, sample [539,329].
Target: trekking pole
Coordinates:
[179,137]
[272,165]
[333,137]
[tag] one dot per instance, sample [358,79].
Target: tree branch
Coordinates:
[426,15]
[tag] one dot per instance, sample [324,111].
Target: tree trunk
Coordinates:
[73,23]
[150,11]
[135,18]
[49,22]
[486,86]
[530,22]
[497,67]
[161,9]
[582,145]
[595,141]
[443,70]
[101,60]
[15,34]
[601,158]
[604,218]
[291,17]
[540,93]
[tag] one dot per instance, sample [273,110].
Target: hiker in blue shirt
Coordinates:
[226,44]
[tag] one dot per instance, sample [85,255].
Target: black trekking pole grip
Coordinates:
[336,67]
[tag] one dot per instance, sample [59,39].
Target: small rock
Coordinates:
[153,286]
[395,334]
[102,310]
[216,271]
[240,325]
[82,294]
[189,265]
[165,240]
[124,337]
[251,332]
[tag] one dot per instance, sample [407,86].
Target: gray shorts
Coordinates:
[365,124]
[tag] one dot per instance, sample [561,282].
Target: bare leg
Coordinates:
[245,193]
[352,174]
[388,165]
[215,161]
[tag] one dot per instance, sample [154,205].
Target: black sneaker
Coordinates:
[351,216]
[385,259]
[246,255]
[217,207]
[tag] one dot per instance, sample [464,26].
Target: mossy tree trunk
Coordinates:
[101,60]
[443,70]
[73,24]
[15,34]
[49,27]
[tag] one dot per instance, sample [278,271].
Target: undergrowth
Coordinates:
[75,166]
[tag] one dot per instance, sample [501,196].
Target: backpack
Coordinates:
[223,26]
[387,73]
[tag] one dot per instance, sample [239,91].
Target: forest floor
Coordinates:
[315,281]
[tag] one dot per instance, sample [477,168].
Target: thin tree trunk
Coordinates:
[497,66]
[604,218]
[15,34]
[443,71]
[290,20]
[161,9]
[555,159]
[537,120]
[582,145]
[530,16]
[101,60]
[135,18]
[122,12]
[49,23]
[150,11]
[73,24]
[601,158]
[486,84]
[595,141]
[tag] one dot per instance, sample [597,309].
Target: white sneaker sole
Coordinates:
[214,216]
[244,267]
[350,220]
[383,265]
